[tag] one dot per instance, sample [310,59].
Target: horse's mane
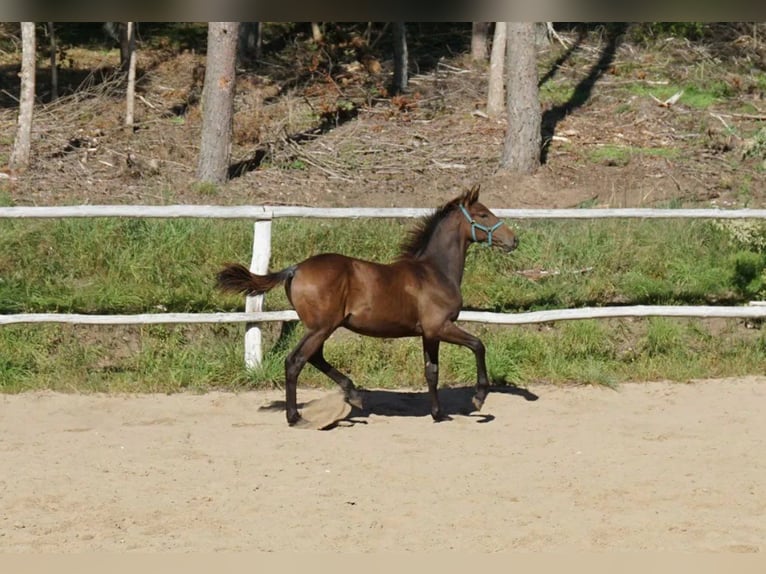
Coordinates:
[418,237]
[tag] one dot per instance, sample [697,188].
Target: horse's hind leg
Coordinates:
[294,363]
[352,394]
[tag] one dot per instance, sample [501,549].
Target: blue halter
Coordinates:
[484,228]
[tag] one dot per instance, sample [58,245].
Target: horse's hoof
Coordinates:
[478,402]
[440,417]
[295,419]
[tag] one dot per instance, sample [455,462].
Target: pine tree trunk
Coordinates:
[521,153]
[250,40]
[54,65]
[316,32]
[479,34]
[21,146]
[400,57]
[218,102]
[496,89]
[131,91]
[124,30]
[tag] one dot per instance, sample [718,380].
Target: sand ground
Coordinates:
[650,466]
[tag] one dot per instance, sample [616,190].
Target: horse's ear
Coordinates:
[472,196]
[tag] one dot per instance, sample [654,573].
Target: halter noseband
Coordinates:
[484,228]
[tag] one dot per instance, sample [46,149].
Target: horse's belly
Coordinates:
[377,326]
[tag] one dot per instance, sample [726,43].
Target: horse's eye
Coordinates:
[483,215]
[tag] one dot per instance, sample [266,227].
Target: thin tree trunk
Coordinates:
[124,31]
[250,40]
[496,89]
[218,102]
[131,91]
[19,159]
[54,65]
[479,34]
[521,153]
[316,32]
[400,57]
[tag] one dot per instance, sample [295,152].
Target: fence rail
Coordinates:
[263,215]
[256,212]
[754,311]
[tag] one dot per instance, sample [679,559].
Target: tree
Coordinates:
[131,55]
[479,34]
[250,40]
[20,155]
[118,31]
[496,91]
[316,32]
[218,102]
[521,152]
[54,65]
[400,57]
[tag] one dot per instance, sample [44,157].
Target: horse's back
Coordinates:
[332,271]
[372,298]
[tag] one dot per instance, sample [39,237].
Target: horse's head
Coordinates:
[482,225]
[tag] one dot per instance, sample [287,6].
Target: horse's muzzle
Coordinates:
[509,245]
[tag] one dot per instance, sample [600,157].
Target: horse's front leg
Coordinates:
[431,358]
[451,333]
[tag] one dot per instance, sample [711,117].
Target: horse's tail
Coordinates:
[236,278]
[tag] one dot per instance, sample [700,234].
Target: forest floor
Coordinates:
[314,125]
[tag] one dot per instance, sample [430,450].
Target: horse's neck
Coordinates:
[446,251]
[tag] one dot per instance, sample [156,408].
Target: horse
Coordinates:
[417,295]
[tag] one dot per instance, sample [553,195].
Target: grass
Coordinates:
[201,358]
[621,155]
[133,265]
[556,93]
[207,188]
[700,95]
[126,359]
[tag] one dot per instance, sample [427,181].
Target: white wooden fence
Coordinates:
[263,216]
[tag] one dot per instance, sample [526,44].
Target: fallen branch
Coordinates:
[443,165]
[757,117]
[453,68]
[147,102]
[670,101]
[553,34]
[536,274]
[313,161]
[720,119]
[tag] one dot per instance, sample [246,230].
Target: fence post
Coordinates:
[259,264]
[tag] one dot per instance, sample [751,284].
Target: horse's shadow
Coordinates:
[455,401]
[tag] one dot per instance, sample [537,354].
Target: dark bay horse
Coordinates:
[418,295]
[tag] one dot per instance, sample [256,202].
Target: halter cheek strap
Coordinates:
[484,228]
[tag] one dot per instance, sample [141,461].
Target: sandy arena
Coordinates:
[658,466]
